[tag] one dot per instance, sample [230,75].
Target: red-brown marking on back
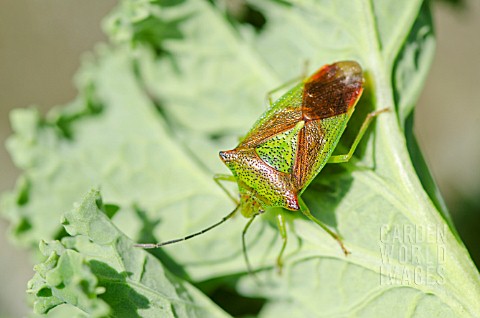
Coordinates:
[332,90]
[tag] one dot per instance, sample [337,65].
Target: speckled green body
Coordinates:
[288,146]
[291,142]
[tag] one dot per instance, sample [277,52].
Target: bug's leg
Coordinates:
[363,129]
[288,83]
[156,245]
[218,178]
[244,247]
[283,233]
[306,211]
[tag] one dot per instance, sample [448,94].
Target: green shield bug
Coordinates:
[289,145]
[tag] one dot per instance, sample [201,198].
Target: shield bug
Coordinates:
[289,145]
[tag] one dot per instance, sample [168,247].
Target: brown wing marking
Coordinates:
[332,90]
[281,121]
[310,143]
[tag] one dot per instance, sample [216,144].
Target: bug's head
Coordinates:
[249,204]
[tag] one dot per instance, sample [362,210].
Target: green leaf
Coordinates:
[64,277]
[98,270]
[184,79]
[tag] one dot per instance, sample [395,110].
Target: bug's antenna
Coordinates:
[156,245]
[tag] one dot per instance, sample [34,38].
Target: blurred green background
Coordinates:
[41,44]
